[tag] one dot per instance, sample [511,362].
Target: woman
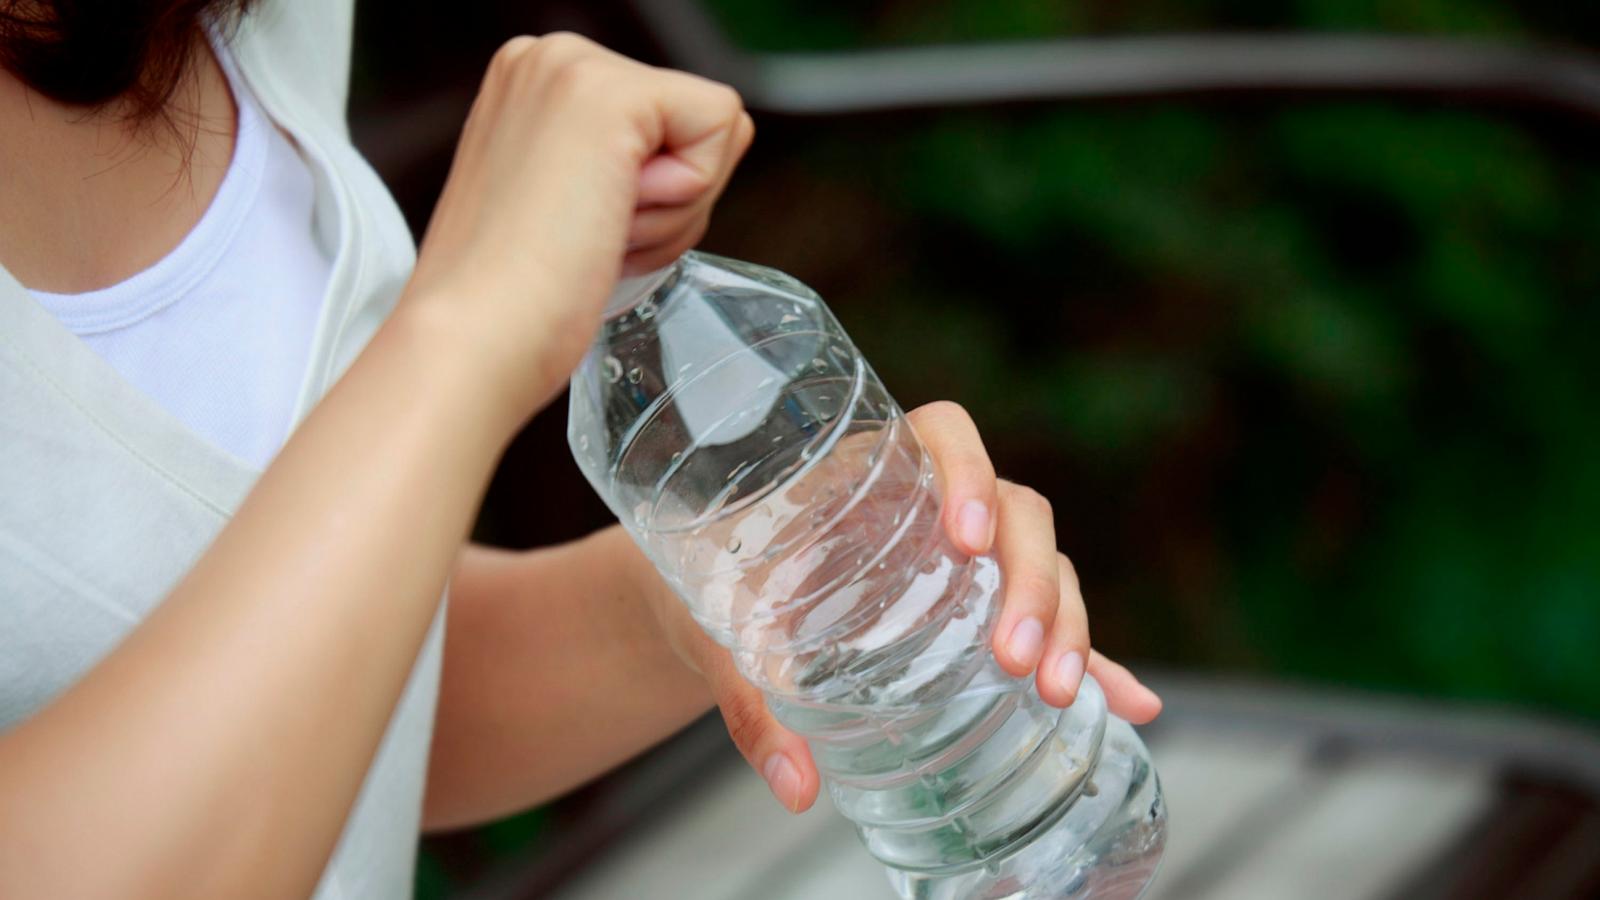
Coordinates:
[221,642]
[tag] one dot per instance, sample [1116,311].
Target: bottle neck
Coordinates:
[633,290]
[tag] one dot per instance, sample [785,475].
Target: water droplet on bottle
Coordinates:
[635,375]
[766,382]
[818,366]
[677,457]
[583,442]
[734,544]
[787,318]
[613,369]
[685,367]
[647,309]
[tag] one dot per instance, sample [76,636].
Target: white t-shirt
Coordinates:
[219,330]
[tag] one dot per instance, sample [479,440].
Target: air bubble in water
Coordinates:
[647,310]
[613,369]
[635,375]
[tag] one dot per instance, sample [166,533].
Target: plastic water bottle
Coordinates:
[738,435]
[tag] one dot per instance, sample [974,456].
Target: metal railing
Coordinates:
[864,81]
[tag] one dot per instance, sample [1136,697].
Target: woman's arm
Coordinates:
[216,752]
[556,669]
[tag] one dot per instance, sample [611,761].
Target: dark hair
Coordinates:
[92,52]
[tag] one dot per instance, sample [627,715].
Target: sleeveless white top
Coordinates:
[218,331]
[107,498]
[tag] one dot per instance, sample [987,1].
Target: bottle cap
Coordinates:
[629,291]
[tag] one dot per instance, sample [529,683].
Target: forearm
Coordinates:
[556,669]
[217,751]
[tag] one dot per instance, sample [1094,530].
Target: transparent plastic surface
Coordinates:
[741,439]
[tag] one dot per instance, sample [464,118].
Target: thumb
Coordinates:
[778,754]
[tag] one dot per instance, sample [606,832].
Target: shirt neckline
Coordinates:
[85,384]
[173,276]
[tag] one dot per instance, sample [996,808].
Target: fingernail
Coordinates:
[1025,641]
[973,526]
[1069,672]
[784,780]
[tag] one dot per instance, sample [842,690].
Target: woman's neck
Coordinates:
[90,199]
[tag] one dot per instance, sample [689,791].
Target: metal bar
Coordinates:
[818,84]
[1553,748]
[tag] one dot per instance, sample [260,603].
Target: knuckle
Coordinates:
[1036,590]
[512,52]
[1068,570]
[561,60]
[1031,500]
[567,42]
[946,410]
[576,75]
[746,721]
[729,100]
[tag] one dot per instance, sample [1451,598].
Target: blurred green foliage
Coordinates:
[1311,382]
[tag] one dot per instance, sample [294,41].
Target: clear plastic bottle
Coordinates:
[738,435]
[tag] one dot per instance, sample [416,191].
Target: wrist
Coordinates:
[677,629]
[457,364]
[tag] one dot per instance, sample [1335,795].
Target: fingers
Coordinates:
[970,513]
[1067,654]
[665,225]
[675,203]
[668,181]
[1026,549]
[704,125]
[643,262]
[1126,696]
[779,755]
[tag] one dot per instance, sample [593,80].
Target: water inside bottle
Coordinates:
[759,462]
